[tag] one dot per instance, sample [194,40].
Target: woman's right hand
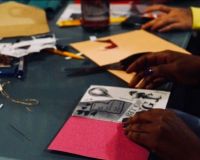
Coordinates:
[155,68]
[170,18]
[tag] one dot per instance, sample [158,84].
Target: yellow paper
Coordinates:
[77,22]
[128,43]
[21,20]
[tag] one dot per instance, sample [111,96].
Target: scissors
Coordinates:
[121,65]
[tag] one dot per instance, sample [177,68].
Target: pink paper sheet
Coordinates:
[96,139]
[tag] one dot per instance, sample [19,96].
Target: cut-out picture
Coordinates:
[115,103]
[136,94]
[109,110]
[98,91]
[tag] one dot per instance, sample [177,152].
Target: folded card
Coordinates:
[95,129]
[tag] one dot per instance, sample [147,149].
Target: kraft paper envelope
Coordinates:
[21,20]
[127,44]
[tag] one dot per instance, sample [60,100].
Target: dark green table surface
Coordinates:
[46,81]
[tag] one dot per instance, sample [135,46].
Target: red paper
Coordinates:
[96,139]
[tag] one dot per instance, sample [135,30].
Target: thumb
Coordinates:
[164,70]
[161,8]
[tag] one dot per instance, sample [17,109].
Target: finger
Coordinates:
[148,76]
[156,82]
[162,22]
[146,116]
[148,24]
[148,60]
[162,8]
[136,79]
[152,81]
[142,127]
[156,76]
[144,62]
[172,26]
[144,139]
[146,81]
[165,71]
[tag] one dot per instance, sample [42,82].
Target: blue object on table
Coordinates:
[16,69]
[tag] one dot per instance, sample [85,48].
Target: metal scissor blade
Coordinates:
[92,70]
[121,65]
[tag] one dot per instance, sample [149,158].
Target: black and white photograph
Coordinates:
[116,103]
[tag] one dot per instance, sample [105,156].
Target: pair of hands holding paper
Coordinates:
[169,18]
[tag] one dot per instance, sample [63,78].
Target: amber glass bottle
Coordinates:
[95,14]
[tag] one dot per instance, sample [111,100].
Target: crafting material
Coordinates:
[65,53]
[21,20]
[27,102]
[25,47]
[95,129]
[68,58]
[121,65]
[129,43]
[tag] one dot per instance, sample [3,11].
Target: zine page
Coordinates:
[116,103]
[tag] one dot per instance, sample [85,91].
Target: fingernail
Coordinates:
[125,120]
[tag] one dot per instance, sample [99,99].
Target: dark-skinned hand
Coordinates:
[162,132]
[170,18]
[165,66]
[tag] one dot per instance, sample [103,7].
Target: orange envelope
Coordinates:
[127,44]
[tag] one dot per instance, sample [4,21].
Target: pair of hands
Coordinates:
[169,18]
[165,66]
[160,130]
[164,133]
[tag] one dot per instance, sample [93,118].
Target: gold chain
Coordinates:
[28,102]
